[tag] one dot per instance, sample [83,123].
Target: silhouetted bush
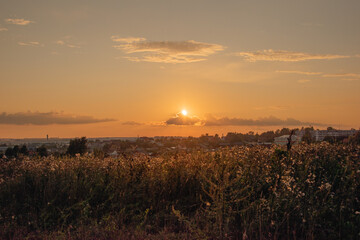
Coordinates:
[77,146]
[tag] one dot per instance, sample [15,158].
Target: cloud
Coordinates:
[210,121]
[343,75]
[285,56]
[60,42]
[299,72]
[267,121]
[165,59]
[46,118]
[31,44]
[181,119]
[166,51]
[66,42]
[2,29]
[132,123]
[18,21]
[127,40]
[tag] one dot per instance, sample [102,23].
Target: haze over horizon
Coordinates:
[129,68]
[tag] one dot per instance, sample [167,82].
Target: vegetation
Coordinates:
[310,192]
[77,146]
[42,151]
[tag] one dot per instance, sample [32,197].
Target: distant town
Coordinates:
[115,146]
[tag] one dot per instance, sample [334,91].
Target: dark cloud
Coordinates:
[210,120]
[181,119]
[267,121]
[47,118]
[132,123]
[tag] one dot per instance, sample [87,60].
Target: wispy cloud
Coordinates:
[344,76]
[165,51]
[31,44]
[357,75]
[299,72]
[285,56]
[46,118]
[2,29]
[127,40]
[18,21]
[66,41]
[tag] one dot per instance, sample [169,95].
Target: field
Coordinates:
[310,192]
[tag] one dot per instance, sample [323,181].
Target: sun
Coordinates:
[184,112]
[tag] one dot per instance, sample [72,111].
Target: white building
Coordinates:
[319,135]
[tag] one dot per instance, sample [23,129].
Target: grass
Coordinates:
[311,192]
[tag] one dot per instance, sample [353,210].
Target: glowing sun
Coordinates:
[184,112]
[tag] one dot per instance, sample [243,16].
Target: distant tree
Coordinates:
[16,150]
[42,151]
[355,139]
[267,136]
[77,145]
[24,150]
[308,138]
[9,152]
[330,128]
[285,131]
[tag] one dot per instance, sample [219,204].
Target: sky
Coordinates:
[117,68]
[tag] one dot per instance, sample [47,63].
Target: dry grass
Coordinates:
[312,192]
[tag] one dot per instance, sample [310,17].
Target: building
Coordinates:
[319,135]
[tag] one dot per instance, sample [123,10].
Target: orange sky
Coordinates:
[127,68]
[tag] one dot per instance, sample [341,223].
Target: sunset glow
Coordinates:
[124,68]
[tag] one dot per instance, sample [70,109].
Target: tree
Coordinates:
[24,150]
[77,145]
[308,138]
[42,151]
[16,150]
[355,139]
[9,152]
